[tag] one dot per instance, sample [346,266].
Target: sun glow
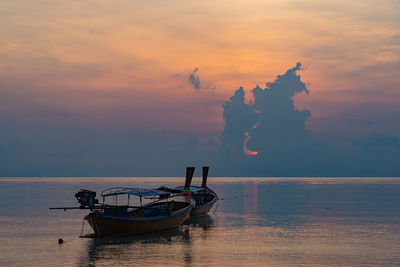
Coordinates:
[245,149]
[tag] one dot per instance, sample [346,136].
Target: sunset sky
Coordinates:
[138,88]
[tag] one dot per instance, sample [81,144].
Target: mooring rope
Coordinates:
[216,207]
[83,225]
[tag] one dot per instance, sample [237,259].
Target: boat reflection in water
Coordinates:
[204,222]
[171,247]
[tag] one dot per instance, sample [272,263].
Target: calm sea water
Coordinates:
[258,222]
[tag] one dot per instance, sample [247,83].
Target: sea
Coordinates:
[257,222]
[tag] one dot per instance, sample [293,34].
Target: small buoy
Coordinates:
[60,241]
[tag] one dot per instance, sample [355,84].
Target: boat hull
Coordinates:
[104,225]
[199,210]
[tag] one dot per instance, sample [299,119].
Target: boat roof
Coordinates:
[141,192]
[192,188]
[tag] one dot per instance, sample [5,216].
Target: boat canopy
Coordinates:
[132,191]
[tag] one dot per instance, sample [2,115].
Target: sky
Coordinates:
[250,88]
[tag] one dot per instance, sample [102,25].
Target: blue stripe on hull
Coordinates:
[143,219]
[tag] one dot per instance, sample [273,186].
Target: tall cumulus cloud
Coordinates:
[268,131]
[267,137]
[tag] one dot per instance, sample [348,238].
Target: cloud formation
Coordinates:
[239,117]
[195,82]
[281,127]
[268,137]
[270,128]
[194,79]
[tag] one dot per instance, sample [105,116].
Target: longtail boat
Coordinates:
[204,197]
[161,214]
[155,210]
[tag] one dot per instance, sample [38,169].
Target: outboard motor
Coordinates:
[205,175]
[86,198]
